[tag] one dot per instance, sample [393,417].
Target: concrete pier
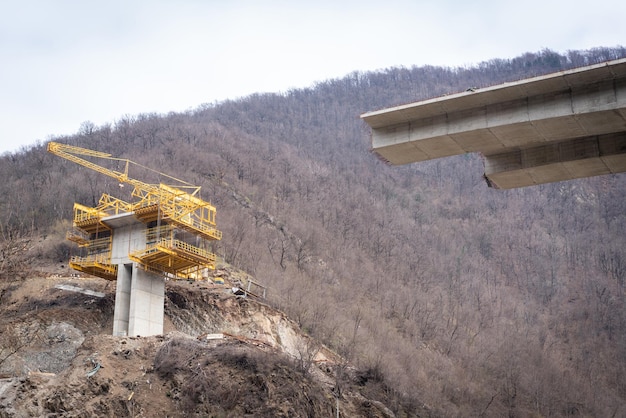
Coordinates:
[140,294]
[139,301]
[550,128]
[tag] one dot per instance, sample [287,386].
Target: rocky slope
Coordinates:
[221,355]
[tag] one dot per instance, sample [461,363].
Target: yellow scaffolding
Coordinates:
[164,252]
[96,265]
[78,236]
[179,208]
[172,208]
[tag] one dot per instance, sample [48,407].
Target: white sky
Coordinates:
[64,62]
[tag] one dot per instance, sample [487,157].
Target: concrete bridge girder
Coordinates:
[568,110]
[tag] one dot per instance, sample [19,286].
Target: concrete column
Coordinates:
[122,299]
[140,294]
[147,295]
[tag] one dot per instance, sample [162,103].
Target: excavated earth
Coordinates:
[221,355]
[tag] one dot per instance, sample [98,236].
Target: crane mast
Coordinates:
[175,222]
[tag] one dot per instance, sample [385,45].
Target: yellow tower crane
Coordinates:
[178,222]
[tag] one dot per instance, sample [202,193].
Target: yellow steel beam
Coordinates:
[178,208]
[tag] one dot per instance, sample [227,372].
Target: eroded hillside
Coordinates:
[221,355]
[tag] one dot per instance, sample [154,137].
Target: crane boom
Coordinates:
[70,152]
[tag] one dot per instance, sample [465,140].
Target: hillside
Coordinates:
[221,355]
[457,299]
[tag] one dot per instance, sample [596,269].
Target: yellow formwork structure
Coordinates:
[177,207]
[171,207]
[99,266]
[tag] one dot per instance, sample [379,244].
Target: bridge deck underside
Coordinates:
[551,128]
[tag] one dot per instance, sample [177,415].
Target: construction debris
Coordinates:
[77,289]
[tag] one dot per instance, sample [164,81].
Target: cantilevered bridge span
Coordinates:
[556,127]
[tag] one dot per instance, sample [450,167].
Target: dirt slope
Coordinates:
[221,355]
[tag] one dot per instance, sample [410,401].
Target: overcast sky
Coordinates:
[64,62]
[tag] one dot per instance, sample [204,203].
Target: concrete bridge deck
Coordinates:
[555,127]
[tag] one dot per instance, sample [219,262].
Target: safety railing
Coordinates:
[78,236]
[100,246]
[98,265]
[192,250]
[84,213]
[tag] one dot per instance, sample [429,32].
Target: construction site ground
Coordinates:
[221,355]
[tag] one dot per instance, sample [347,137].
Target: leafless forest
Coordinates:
[452,297]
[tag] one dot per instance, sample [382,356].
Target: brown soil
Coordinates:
[261,366]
